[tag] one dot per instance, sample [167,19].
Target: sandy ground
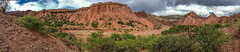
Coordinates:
[83,34]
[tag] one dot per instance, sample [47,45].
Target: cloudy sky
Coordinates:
[157,7]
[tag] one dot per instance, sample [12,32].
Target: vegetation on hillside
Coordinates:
[207,38]
[32,23]
[47,27]
[203,39]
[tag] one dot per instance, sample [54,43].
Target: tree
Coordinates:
[4,4]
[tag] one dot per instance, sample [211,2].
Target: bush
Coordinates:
[98,43]
[109,23]
[121,22]
[228,25]
[81,24]
[170,43]
[114,29]
[218,25]
[130,24]
[98,34]
[57,23]
[49,29]
[69,39]
[128,45]
[32,23]
[72,23]
[47,22]
[178,29]
[209,38]
[94,25]
[144,40]
[158,27]
[101,44]
[128,36]
[116,37]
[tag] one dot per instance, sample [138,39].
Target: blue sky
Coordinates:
[157,7]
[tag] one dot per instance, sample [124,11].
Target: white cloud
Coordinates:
[28,6]
[73,3]
[168,10]
[36,6]
[199,9]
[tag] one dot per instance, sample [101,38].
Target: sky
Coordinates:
[156,7]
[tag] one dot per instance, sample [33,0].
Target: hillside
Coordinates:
[101,14]
[13,37]
[111,26]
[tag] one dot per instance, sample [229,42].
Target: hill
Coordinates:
[13,37]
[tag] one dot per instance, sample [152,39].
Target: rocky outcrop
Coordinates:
[234,18]
[193,19]
[152,18]
[212,19]
[190,19]
[101,13]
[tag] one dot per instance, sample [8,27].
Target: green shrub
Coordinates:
[174,25]
[71,23]
[177,29]
[235,20]
[49,29]
[144,40]
[32,23]
[128,45]
[110,19]
[116,37]
[228,25]
[218,25]
[94,25]
[128,36]
[69,39]
[121,22]
[109,23]
[98,34]
[47,22]
[114,29]
[81,24]
[130,24]
[209,38]
[170,43]
[57,23]
[98,43]
[158,27]
[101,44]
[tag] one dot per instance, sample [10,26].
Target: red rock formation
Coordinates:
[100,13]
[190,19]
[193,19]
[194,15]
[223,19]
[149,17]
[212,19]
[234,18]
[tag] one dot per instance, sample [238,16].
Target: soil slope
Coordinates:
[16,38]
